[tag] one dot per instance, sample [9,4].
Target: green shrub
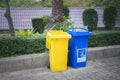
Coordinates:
[104,38]
[90,19]
[109,17]
[39,24]
[13,46]
[66,11]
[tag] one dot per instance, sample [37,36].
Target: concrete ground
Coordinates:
[102,69]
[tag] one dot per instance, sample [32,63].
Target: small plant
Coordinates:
[28,33]
[109,17]
[90,19]
[22,32]
[65,25]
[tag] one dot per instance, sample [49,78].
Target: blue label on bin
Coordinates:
[81,55]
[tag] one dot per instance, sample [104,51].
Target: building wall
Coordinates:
[22,17]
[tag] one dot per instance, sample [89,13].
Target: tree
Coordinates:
[57,13]
[8,17]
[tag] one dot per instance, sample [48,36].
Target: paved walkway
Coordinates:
[104,69]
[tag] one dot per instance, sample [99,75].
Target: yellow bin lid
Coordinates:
[58,34]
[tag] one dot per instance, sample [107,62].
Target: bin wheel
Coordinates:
[48,66]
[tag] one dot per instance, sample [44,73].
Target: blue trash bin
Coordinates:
[78,45]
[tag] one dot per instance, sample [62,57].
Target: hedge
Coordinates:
[104,38]
[90,19]
[13,46]
[38,24]
[109,17]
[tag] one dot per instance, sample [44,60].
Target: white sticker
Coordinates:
[81,55]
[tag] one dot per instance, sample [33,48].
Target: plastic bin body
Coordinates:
[57,43]
[78,45]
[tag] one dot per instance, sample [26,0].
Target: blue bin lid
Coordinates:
[79,32]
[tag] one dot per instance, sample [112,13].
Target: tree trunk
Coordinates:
[57,10]
[57,13]
[9,19]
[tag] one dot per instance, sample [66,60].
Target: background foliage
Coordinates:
[106,3]
[69,3]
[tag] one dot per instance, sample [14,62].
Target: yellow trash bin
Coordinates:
[57,43]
